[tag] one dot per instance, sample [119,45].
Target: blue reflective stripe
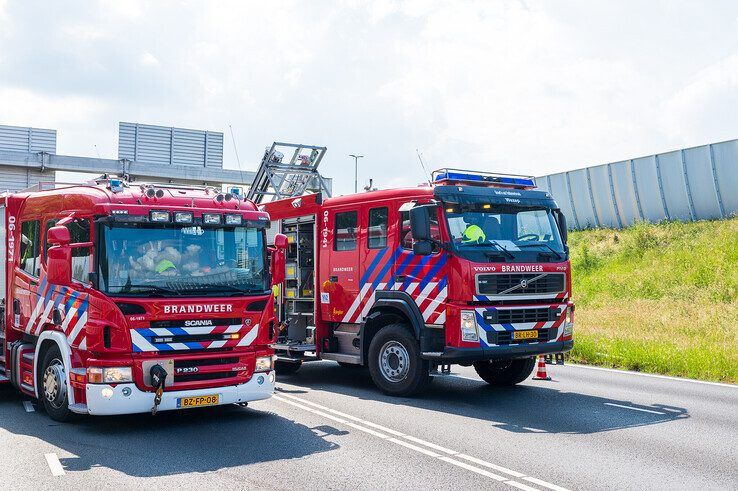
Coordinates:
[418,267]
[508,327]
[136,349]
[387,265]
[400,269]
[71,300]
[194,345]
[147,333]
[429,276]
[371,267]
[83,308]
[442,284]
[177,331]
[60,295]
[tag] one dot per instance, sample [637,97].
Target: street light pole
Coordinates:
[356,171]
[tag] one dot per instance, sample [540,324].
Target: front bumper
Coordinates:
[138,401]
[459,355]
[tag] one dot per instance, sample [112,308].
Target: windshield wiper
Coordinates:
[544,245]
[494,243]
[502,248]
[150,289]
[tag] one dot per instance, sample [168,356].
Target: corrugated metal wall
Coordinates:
[23,139]
[161,145]
[690,184]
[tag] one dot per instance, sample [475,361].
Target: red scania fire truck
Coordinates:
[472,270]
[126,298]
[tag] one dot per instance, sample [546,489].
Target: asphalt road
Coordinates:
[328,427]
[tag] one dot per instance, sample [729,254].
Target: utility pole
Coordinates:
[356,171]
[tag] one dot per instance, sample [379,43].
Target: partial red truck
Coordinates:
[472,270]
[127,298]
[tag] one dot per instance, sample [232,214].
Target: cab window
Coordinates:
[406,235]
[29,247]
[378,228]
[344,234]
[79,233]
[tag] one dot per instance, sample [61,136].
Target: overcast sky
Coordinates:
[517,86]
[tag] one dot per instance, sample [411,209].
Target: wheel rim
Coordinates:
[394,361]
[55,383]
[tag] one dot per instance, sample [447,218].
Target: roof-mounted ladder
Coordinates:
[280,179]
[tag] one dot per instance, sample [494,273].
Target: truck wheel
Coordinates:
[53,385]
[395,364]
[506,372]
[286,367]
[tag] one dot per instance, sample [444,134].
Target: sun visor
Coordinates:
[471,195]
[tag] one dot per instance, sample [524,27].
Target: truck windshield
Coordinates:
[517,233]
[152,260]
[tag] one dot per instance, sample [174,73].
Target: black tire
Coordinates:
[506,372]
[52,386]
[349,366]
[287,367]
[400,355]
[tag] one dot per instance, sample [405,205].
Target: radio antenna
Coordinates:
[422,165]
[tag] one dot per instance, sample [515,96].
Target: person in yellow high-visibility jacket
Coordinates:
[473,235]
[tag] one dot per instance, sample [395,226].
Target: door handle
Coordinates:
[16,307]
[399,278]
[333,279]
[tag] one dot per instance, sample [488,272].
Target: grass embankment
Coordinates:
[658,298]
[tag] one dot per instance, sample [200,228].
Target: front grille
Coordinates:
[198,323]
[516,316]
[198,377]
[495,284]
[505,337]
[205,362]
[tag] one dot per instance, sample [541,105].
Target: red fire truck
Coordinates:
[126,298]
[472,270]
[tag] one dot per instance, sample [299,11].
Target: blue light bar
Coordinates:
[483,178]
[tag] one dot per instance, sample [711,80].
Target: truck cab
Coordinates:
[473,270]
[127,298]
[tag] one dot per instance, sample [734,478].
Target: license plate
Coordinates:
[525,334]
[197,401]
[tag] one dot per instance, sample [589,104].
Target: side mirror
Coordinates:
[59,263]
[563,230]
[420,223]
[277,264]
[280,241]
[58,235]
[423,248]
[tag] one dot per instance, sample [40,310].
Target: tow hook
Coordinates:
[158,377]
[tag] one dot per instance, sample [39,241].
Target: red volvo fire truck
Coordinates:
[472,270]
[126,298]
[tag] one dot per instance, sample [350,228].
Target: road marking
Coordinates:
[544,484]
[633,408]
[652,375]
[28,406]
[54,464]
[452,457]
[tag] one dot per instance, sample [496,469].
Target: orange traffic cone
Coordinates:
[541,372]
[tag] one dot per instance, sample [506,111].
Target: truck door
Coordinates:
[422,277]
[24,312]
[340,257]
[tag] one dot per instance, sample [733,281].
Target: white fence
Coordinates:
[691,184]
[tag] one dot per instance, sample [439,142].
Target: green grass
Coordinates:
[659,298]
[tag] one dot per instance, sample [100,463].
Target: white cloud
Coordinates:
[148,59]
[509,86]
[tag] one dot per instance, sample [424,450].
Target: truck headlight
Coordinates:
[569,322]
[469,326]
[109,375]
[263,364]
